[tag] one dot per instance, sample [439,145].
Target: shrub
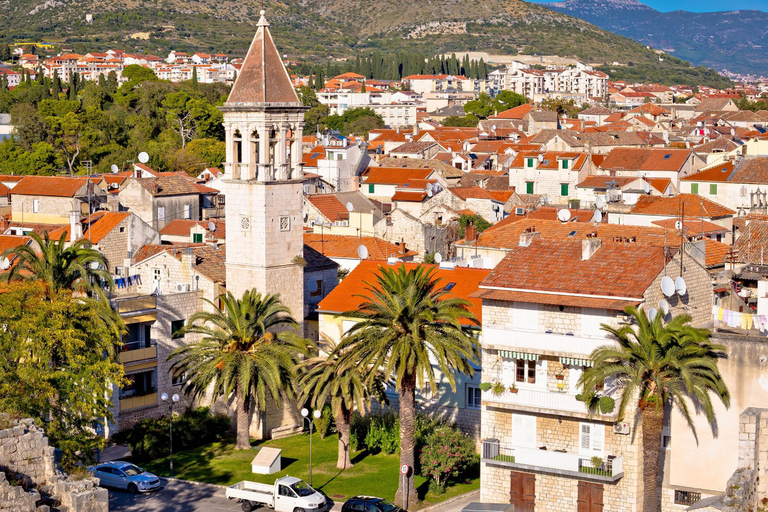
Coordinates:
[383,434]
[324,424]
[607,404]
[446,454]
[149,439]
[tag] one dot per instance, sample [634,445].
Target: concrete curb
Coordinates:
[438,506]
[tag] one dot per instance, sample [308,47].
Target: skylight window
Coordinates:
[572,233]
[667,156]
[449,286]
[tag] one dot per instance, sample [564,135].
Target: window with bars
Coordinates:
[686,497]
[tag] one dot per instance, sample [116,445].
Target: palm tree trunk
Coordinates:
[407,395]
[653,422]
[343,426]
[243,421]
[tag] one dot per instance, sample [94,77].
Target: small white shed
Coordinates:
[267,461]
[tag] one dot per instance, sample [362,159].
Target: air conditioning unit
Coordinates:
[621,427]
[183,287]
[519,211]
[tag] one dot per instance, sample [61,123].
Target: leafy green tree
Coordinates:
[308,96]
[446,454]
[326,381]
[408,325]
[52,365]
[29,127]
[247,351]
[211,152]
[314,118]
[59,266]
[482,107]
[562,106]
[469,121]
[136,73]
[506,100]
[480,223]
[655,366]
[177,107]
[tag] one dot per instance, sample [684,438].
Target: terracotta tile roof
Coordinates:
[501,195]
[330,206]
[650,108]
[750,247]
[311,157]
[173,185]
[11,178]
[518,112]
[692,226]
[715,252]
[659,184]
[51,186]
[388,134]
[394,175]
[316,261]
[346,295]
[182,227]
[749,170]
[554,300]
[210,261]
[693,205]
[550,213]
[465,193]
[11,241]
[599,181]
[103,225]
[413,147]
[263,78]
[409,196]
[646,159]
[341,246]
[615,270]
[720,144]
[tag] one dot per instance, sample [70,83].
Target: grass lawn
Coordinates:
[220,463]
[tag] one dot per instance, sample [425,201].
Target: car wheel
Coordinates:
[298,510]
[133,489]
[247,506]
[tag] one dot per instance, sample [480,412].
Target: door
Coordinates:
[590,497]
[522,492]
[286,500]
[591,439]
[106,477]
[524,430]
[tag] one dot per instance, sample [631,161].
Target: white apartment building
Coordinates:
[579,82]
[397,109]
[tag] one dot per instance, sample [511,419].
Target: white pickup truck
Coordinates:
[288,494]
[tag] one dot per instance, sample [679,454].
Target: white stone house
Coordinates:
[738,183]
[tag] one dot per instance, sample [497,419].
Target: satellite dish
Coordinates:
[319,220]
[679,225]
[438,258]
[733,132]
[564,215]
[598,216]
[429,192]
[599,202]
[429,187]
[646,187]
[115,168]
[664,306]
[5,264]
[652,314]
[668,286]
[211,226]
[350,207]
[143,157]
[680,286]
[362,251]
[541,158]
[493,128]
[312,286]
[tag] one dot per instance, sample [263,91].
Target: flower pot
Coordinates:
[513,390]
[560,377]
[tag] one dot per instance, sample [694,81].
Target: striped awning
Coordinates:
[575,361]
[519,355]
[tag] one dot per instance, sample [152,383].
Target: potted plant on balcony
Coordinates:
[560,381]
[485,386]
[513,388]
[497,388]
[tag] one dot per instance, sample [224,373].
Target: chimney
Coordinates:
[188,257]
[527,237]
[75,227]
[589,246]
[470,233]
[415,129]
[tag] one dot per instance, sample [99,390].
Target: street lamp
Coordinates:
[305,415]
[174,399]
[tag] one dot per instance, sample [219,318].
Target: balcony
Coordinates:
[561,463]
[138,351]
[136,401]
[134,304]
[565,344]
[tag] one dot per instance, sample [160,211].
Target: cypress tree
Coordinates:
[112,81]
[319,79]
[56,87]
[194,77]
[362,87]
[40,76]
[5,52]
[310,85]
[483,69]
[465,65]
[102,81]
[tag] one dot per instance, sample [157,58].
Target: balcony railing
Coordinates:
[540,399]
[137,351]
[608,469]
[134,402]
[135,304]
[571,344]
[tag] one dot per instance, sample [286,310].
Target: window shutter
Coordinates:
[598,438]
[694,188]
[586,431]
[713,189]
[541,373]
[563,189]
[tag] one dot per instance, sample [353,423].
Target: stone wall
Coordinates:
[30,473]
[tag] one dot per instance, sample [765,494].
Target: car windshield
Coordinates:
[386,506]
[132,470]
[302,489]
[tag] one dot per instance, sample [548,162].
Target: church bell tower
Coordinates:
[263,120]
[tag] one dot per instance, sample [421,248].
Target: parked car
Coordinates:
[124,475]
[287,494]
[369,504]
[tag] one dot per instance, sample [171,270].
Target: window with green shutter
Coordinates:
[197,238]
[564,189]
[529,162]
[529,187]
[694,188]
[713,189]
[565,164]
[371,188]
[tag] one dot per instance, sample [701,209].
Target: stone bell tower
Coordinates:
[263,120]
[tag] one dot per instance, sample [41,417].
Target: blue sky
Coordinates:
[706,5]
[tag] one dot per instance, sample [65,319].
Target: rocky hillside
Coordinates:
[734,40]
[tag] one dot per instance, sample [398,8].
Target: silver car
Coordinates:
[124,475]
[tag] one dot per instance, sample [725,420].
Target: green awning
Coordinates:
[575,361]
[518,355]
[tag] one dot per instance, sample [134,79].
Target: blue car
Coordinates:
[124,475]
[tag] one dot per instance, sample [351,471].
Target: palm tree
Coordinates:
[326,380]
[76,267]
[247,351]
[407,323]
[656,365]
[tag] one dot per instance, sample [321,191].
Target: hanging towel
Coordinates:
[736,319]
[749,321]
[726,316]
[714,312]
[720,312]
[745,321]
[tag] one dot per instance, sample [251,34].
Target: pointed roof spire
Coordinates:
[262,77]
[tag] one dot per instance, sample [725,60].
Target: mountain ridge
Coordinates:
[733,40]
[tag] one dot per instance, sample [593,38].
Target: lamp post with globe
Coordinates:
[305,415]
[171,402]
